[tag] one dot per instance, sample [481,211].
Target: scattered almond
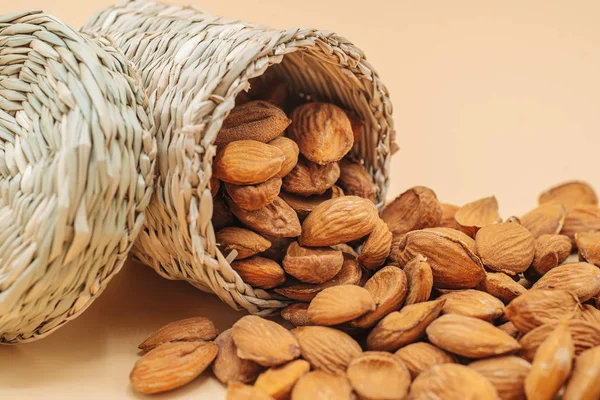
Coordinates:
[319,385]
[376,248]
[582,218]
[547,219]
[279,381]
[501,286]
[448,213]
[473,216]
[378,375]
[588,244]
[355,180]
[254,197]
[421,356]
[193,329]
[452,381]
[312,264]
[247,162]
[239,391]
[259,272]
[247,243]
[583,384]
[339,304]
[289,148]
[472,303]
[505,247]
[506,373]
[550,252]
[417,208]
[228,367]
[537,307]
[308,178]
[581,279]
[570,194]
[297,314]
[276,219]
[420,280]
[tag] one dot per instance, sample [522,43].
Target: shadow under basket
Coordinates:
[193,65]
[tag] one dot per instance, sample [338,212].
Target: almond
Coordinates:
[584,334]
[289,148]
[570,194]
[581,279]
[550,252]
[254,197]
[256,120]
[376,248]
[259,272]
[537,307]
[222,216]
[278,247]
[171,365]
[448,213]
[339,304]
[264,341]
[303,205]
[506,373]
[470,337]
[551,365]
[415,209]
[420,280]
[505,247]
[583,218]
[193,329]
[308,178]
[279,381]
[228,367]
[214,186]
[319,385]
[510,329]
[350,274]
[402,327]
[358,126]
[378,375]
[339,220]
[312,264]
[583,384]
[421,356]
[472,303]
[297,314]
[322,131]
[327,349]
[450,254]
[247,162]
[588,244]
[452,381]
[547,219]
[590,314]
[276,219]
[239,391]
[501,286]
[473,216]
[388,287]
[355,180]
[246,242]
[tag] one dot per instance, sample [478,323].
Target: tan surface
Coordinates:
[489,99]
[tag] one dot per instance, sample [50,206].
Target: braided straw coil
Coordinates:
[193,65]
[76,171]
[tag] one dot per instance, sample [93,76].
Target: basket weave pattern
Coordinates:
[76,171]
[193,65]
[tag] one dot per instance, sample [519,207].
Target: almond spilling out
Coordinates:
[264,342]
[228,367]
[339,304]
[246,242]
[570,194]
[583,384]
[581,279]
[582,218]
[537,307]
[254,197]
[319,385]
[470,337]
[193,329]
[472,303]
[339,220]
[473,216]
[355,180]
[312,264]
[322,131]
[506,373]
[450,253]
[420,280]
[505,247]
[588,244]
[501,286]
[247,162]
[303,205]
[417,208]
[376,248]
[289,148]
[259,272]
[279,381]
[550,252]
[378,375]
[547,219]
[421,356]
[452,381]
[276,219]
[296,314]
[308,178]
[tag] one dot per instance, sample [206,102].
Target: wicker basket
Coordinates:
[193,65]
[76,171]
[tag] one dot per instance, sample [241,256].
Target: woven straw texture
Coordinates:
[193,65]
[76,171]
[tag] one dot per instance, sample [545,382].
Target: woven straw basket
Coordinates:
[76,171]
[193,65]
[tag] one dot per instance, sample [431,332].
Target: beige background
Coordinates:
[490,97]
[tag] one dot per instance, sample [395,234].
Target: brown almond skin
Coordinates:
[470,337]
[581,218]
[547,219]
[322,131]
[259,272]
[312,264]
[297,314]
[450,254]
[303,205]
[590,314]
[214,186]
[338,304]
[570,194]
[319,385]
[376,248]
[327,349]
[473,216]
[193,329]
[472,303]
[308,178]
[588,244]
[388,287]
[537,307]
[452,381]
[505,247]
[254,197]
[256,120]
[239,391]
[247,162]
[289,148]
[355,180]
[228,367]
[550,252]
[501,286]
[339,220]
[278,247]
[276,219]
[581,279]
[368,372]
[421,356]
[506,373]
[417,208]
[171,365]
[510,329]
[420,280]
[583,384]
[246,242]
[448,213]
[278,382]
[222,216]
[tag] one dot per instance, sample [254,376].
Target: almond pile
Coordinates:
[425,301]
